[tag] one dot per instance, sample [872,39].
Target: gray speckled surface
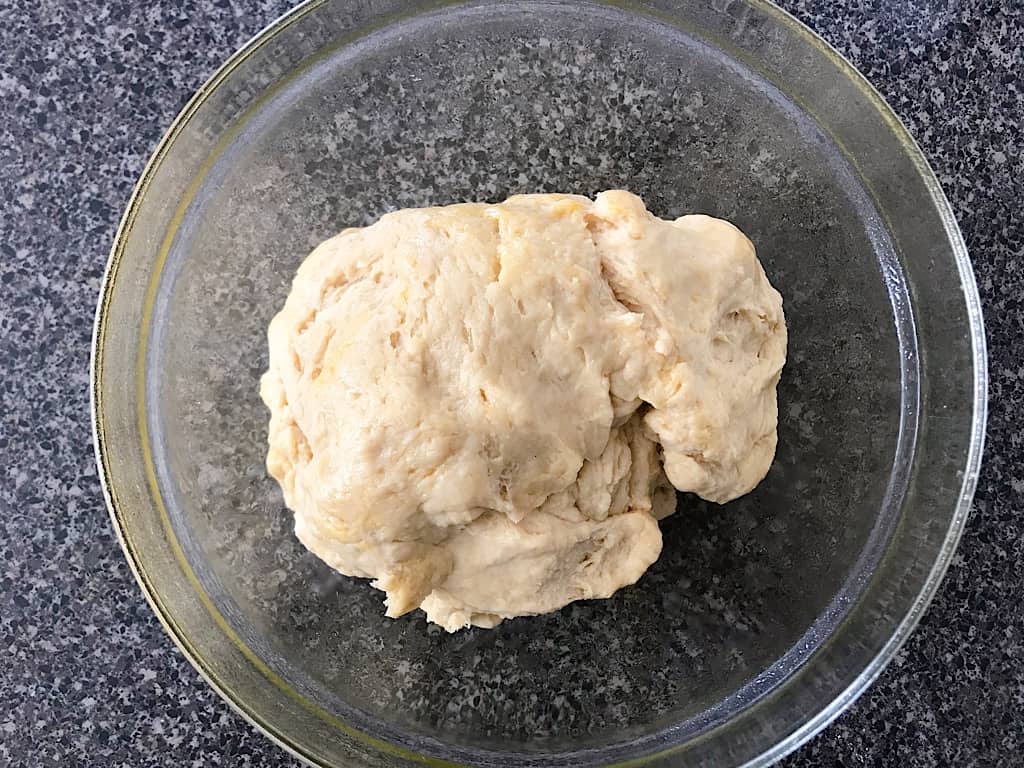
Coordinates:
[87,676]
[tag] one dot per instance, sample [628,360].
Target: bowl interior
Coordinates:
[471,103]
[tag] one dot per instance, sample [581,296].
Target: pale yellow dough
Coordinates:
[473,405]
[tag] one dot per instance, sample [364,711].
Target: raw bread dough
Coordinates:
[473,404]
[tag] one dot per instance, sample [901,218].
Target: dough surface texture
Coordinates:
[485,408]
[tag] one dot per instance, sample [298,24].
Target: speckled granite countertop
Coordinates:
[87,676]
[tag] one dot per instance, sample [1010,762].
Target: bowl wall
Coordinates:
[335,119]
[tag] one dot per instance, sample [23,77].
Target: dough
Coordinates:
[484,407]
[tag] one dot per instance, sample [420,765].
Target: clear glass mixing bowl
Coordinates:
[763,618]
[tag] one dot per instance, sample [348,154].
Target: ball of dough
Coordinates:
[485,408]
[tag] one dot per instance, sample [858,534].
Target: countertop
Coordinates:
[87,675]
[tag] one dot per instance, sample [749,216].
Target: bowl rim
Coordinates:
[971,469]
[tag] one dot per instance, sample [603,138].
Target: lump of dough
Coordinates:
[485,408]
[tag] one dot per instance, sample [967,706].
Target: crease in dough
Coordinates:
[487,408]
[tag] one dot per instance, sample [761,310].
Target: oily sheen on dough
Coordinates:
[485,408]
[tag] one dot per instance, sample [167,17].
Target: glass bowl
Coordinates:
[764,618]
